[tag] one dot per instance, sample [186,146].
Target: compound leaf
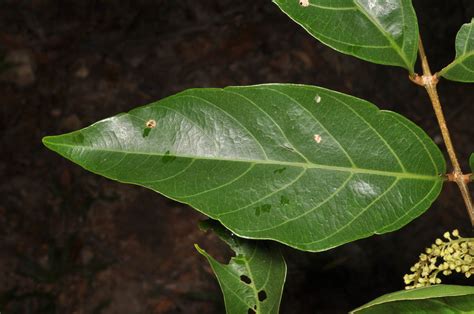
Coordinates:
[462,68]
[379,31]
[433,299]
[253,280]
[302,165]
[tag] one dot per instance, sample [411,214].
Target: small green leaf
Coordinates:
[302,165]
[253,280]
[379,31]
[462,68]
[434,299]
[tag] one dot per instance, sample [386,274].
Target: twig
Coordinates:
[429,82]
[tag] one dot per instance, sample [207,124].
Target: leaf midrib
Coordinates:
[387,35]
[457,61]
[253,285]
[460,58]
[401,175]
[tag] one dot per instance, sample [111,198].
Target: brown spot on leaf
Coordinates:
[151,124]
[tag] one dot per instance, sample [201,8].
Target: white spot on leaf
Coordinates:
[317,99]
[150,124]
[317,138]
[372,4]
[304,3]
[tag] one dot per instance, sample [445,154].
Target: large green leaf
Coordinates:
[433,299]
[253,280]
[380,31]
[302,165]
[462,68]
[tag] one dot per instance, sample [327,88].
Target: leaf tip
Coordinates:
[198,248]
[48,141]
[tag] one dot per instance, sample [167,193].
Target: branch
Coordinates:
[429,82]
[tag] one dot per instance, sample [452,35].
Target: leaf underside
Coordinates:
[434,299]
[254,277]
[462,68]
[379,31]
[302,165]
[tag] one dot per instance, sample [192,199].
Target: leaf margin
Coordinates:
[413,295]
[460,58]
[409,61]
[235,244]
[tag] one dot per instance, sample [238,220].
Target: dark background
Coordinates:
[73,242]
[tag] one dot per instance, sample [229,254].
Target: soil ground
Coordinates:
[73,242]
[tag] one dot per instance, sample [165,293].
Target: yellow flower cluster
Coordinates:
[454,255]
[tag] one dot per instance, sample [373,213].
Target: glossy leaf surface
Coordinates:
[379,31]
[434,299]
[254,277]
[301,165]
[462,68]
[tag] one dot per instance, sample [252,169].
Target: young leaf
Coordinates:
[253,280]
[379,31]
[302,165]
[432,299]
[462,68]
